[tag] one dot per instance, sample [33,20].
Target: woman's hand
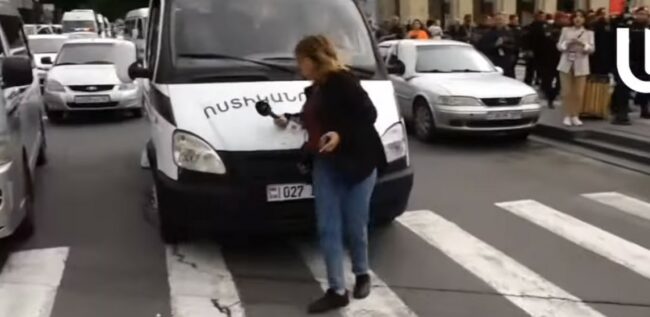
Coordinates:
[281,121]
[329,142]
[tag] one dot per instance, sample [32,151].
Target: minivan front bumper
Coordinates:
[235,207]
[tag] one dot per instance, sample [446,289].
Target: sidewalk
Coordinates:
[630,142]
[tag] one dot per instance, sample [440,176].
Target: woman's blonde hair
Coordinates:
[321,50]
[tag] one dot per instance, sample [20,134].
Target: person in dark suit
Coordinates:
[500,46]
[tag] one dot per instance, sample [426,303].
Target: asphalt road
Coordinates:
[545,250]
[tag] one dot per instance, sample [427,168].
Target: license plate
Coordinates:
[287,192]
[92,99]
[504,115]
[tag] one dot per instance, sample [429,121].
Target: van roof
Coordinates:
[79,15]
[47,36]
[142,12]
[7,8]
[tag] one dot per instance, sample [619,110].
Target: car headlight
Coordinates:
[526,100]
[458,101]
[54,86]
[127,86]
[192,153]
[395,142]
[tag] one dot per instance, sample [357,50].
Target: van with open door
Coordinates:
[218,166]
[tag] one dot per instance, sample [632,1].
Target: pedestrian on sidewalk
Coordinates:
[346,152]
[500,46]
[575,44]
[417,31]
[549,59]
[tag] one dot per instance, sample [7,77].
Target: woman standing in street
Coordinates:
[575,44]
[346,152]
[418,32]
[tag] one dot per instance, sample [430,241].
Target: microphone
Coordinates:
[264,109]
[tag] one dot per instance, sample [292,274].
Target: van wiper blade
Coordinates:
[465,71]
[241,59]
[358,69]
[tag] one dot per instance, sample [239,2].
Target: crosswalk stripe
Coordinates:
[520,285]
[382,302]
[622,202]
[614,248]
[200,283]
[29,281]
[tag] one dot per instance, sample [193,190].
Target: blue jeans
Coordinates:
[342,209]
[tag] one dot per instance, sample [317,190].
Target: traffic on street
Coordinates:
[200,158]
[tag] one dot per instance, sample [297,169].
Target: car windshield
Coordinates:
[95,53]
[451,59]
[265,30]
[46,45]
[78,26]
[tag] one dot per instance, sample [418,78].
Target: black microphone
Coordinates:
[264,109]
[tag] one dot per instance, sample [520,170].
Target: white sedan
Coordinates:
[84,78]
[450,86]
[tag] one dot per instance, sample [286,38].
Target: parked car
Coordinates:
[82,35]
[22,132]
[83,78]
[33,29]
[449,86]
[45,49]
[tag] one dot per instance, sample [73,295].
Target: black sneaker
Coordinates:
[362,286]
[331,300]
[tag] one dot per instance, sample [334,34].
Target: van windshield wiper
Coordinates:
[465,71]
[241,59]
[358,69]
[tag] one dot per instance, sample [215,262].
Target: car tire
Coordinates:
[424,125]
[55,116]
[172,229]
[519,136]
[138,113]
[42,152]
[26,228]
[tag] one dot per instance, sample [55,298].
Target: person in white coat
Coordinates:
[575,44]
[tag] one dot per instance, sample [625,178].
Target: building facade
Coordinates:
[447,10]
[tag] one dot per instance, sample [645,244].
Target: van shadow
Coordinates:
[95,118]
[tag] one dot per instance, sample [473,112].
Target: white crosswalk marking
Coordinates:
[520,285]
[614,248]
[200,283]
[29,281]
[622,202]
[382,302]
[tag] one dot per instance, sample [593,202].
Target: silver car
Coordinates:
[83,78]
[449,86]
[45,48]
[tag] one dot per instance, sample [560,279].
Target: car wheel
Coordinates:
[26,228]
[519,136]
[42,152]
[172,228]
[54,116]
[424,126]
[137,113]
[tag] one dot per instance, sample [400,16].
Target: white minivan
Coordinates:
[135,26]
[220,167]
[80,21]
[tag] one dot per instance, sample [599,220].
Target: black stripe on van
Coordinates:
[162,104]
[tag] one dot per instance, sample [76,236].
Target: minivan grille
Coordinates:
[93,105]
[500,102]
[91,88]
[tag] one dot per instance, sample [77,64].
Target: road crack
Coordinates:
[181,258]
[223,309]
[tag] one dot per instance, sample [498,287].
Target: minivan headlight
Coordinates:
[458,101]
[127,86]
[530,99]
[192,153]
[395,142]
[54,86]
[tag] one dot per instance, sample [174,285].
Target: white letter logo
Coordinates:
[623,61]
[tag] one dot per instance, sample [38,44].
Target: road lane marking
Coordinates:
[614,248]
[29,281]
[521,286]
[633,206]
[200,282]
[382,302]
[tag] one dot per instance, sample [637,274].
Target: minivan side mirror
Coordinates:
[47,60]
[499,70]
[396,68]
[17,71]
[136,70]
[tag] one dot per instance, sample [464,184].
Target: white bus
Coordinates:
[80,21]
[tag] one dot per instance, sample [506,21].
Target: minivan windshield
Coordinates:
[96,53]
[265,30]
[70,26]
